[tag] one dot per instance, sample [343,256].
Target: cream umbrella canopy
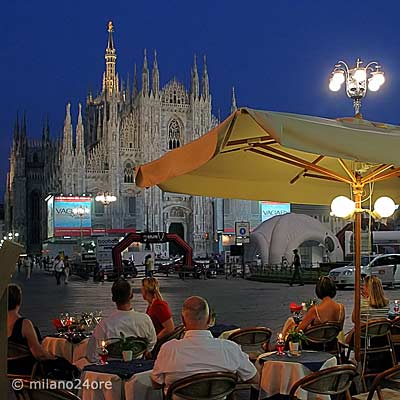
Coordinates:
[262,155]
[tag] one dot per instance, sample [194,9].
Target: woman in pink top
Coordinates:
[158,309]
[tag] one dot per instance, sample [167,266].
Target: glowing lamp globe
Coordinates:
[338,77]
[384,207]
[342,207]
[360,74]
[378,77]
[373,85]
[334,86]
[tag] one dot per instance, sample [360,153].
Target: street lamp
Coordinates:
[81,212]
[358,80]
[106,199]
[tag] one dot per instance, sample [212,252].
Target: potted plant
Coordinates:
[126,348]
[295,338]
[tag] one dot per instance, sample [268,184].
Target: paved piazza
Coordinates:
[236,301]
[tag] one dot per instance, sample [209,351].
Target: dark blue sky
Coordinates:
[277,54]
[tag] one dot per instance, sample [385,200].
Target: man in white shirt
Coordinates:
[199,351]
[124,320]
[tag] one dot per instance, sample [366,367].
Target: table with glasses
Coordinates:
[126,380]
[70,349]
[279,372]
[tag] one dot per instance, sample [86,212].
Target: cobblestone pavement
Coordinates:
[236,301]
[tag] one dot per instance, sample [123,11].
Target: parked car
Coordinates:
[385,266]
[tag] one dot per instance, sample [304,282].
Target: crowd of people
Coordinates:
[175,359]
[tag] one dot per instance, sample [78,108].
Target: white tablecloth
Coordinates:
[279,377]
[61,347]
[138,387]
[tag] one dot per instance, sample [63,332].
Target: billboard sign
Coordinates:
[104,248]
[271,209]
[62,221]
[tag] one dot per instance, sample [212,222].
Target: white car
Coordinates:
[385,266]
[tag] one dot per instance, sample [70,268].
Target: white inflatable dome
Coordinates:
[280,235]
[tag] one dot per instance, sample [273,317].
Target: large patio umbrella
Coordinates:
[262,155]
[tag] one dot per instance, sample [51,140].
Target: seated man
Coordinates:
[199,351]
[124,320]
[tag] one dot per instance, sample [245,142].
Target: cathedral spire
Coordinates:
[156,75]
[110,83]
[145,75]
[205,86]
[195,79]
[135,81]
[128,89]
[23,132]
[67,136]
[80,148]
[233,101]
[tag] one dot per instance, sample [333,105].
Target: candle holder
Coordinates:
[396,307]
[103,356]
[280,345]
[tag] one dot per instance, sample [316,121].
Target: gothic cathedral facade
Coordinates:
[121,127]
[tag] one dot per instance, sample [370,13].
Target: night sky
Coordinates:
[277,54]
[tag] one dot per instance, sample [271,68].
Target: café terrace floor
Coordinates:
[236,301]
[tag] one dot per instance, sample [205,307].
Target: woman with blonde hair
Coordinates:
[158,309]
[374,303]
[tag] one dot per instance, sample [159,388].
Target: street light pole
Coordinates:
[80,211]
[106,199]
[358,80]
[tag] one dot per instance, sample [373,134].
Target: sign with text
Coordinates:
[271,209]
[65,221]
[104,248]
[242,230]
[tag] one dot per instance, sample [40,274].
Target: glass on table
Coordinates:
[396,307]
[102,352]
[280,345]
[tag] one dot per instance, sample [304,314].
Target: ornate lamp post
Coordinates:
[106,199]
[81,212]
[358,80]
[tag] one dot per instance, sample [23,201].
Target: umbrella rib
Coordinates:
[377,173]
[260,139]
[329,178]
[307,164]
[347,170]
[390,174]
[297,177]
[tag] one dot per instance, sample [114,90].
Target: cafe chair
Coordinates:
[29,392]
[253,341]
[376,340]
[324,337]
[207,386]
[334,381]
[395,333]
[20,355]
[137,345]
[177,333]
[386,386]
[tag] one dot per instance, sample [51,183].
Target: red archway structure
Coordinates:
[150,237]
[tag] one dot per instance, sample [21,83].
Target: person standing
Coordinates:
[67,270]
[28,267]
[148,264]
[58,268]
[297,269]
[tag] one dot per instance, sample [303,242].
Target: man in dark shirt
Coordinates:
[297,272]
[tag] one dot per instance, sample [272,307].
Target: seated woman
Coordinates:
[158,309]
[374,304]
[21,331]
[327,311]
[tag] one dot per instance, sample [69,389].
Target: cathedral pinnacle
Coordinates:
[205,86]
[156,75]
[233,102]
[145,75]
[110,83]
[195,79]
[67,137]
[79,133]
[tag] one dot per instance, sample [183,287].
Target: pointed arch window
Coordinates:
[174,135]
[128,173]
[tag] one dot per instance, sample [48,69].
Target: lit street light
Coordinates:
[106,199]
[81,212]
[358,80]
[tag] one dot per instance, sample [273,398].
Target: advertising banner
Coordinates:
[50,217]
[271,209]
[104,248]
[66,222]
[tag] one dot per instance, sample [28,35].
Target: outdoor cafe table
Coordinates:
[279,373]
[61,347]
[129,380]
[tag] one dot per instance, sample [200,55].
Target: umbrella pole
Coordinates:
[357,190]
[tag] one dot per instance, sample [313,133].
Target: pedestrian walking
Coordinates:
[67,270]
[28,267]
[19,264]
[58,269]
[297,269]
[149,266]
